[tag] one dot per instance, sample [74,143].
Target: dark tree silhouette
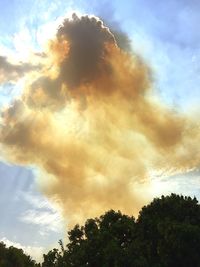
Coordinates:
[168,231]
[166,234]
[14,257]
[101,242]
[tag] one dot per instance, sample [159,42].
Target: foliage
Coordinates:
[168,230]
[14,257]
[166,234]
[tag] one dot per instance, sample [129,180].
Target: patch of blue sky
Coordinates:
[5,93]
[166,35]
[18,14]
[8,92]
[7,89]
[179,184]
[18,196]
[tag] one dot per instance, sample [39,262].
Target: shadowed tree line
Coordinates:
[15,257]
[165,234]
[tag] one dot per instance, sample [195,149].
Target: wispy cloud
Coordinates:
[41,213]
[52,221]
[37,201]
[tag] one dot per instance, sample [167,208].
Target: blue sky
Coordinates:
[164,33]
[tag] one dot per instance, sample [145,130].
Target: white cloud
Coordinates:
[23,44]
[49,220]
[37,201]
[41,213]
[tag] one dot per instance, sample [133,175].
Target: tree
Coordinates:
[15,257]
[166,234]
[168,231]
[51,259]
[101,242]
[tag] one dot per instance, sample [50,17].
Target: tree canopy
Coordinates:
[15,257]
[165,234]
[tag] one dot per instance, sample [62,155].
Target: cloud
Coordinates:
[41,213]
[50,220]
[37,201]
[91,121]
[10,72]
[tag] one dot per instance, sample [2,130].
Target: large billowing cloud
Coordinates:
[89,120]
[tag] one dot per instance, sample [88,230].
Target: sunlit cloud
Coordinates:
[91,121]
[51,221]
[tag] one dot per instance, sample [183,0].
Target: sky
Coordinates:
[163,33]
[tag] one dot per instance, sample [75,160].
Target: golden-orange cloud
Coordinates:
[88,120]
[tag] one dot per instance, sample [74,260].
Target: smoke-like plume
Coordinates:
[89,121]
